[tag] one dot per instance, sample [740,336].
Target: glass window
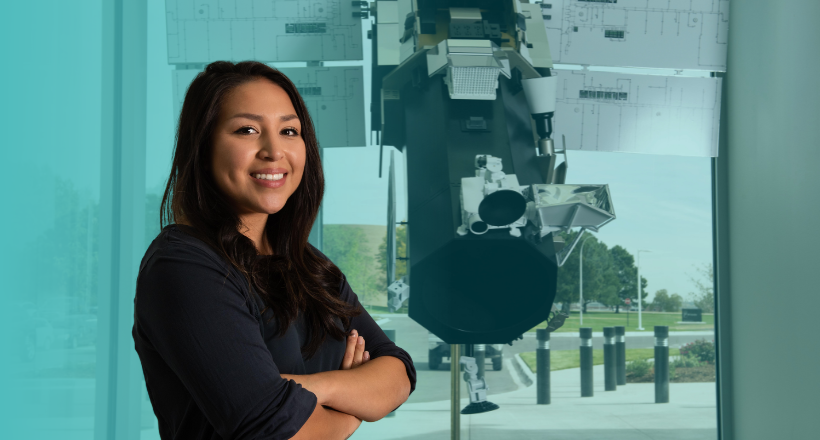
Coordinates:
[80,217]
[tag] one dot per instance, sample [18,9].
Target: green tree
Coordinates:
[644,294]
[663,302]
[601,282]
[675,303]
[346,246]
[704,297]
[659,301]
[401,252]
[627,272]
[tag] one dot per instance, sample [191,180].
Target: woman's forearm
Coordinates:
[368,392]
[327,424]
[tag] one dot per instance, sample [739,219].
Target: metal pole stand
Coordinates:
[455,392]
[610,376]
[476,388]
[586,361]
[480,354]
[620,354]
[391,334]
[661,364]
[542,359]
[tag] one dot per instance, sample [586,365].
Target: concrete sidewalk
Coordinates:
[626,414]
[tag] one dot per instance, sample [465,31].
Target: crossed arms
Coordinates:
[200,343]
[361,390]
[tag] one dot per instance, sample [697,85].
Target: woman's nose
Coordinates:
[270,150]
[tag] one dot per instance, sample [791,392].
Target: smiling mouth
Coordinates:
[273,177]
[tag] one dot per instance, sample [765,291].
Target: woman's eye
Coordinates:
[246,130]
[290,132]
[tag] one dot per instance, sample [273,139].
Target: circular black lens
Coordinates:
[502,207]
[479,227]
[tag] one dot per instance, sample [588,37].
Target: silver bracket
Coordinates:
[562,256]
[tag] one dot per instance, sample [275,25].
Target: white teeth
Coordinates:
[269,176]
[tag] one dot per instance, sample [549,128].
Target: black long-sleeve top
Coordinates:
[212,361]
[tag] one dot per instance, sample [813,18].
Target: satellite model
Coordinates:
[467,93]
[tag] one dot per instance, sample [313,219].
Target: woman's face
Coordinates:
[258,151]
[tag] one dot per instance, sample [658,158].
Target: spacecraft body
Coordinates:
[466,94]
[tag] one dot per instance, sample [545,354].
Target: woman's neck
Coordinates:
[253,227]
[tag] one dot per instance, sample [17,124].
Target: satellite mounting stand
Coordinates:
[476,386]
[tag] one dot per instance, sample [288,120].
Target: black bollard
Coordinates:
[542,359]
[610,377]
[661,364]
[586,361]
[391,334]
[620,354]
[480,354]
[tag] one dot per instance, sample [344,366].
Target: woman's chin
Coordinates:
[272,208]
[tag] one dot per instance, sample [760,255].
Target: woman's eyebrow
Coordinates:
[258,118]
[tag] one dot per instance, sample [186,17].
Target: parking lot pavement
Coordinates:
[435,385]
[626,414]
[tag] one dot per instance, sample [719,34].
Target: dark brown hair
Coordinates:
[294,279]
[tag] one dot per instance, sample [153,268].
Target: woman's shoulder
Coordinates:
[312,249]
[181,244]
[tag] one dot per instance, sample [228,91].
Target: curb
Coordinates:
[525,375]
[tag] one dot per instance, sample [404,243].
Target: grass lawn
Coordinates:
[599,320]
[563,359]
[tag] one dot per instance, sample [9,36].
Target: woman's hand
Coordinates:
[355,355]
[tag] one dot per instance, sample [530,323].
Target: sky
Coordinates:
[662,203]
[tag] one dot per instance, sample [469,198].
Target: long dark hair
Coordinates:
[294,279]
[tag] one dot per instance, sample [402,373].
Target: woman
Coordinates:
[244,330]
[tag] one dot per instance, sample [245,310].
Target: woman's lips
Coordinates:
[267,183]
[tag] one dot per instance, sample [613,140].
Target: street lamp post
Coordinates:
[581,278]
[640,307]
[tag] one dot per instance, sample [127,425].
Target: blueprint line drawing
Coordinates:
[622,112]
[676,34]
[200,31]
[334,97]
[335,100]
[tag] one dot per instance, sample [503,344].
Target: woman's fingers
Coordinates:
[355,353]
[347,360]
[358,352]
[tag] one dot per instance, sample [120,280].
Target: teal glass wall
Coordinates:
[89,121]
[51,113]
